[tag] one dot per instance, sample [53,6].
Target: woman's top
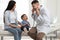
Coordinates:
[10,17]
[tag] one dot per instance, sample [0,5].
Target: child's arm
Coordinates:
[23,23]
[28,24]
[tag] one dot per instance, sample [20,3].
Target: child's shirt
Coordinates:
[25,23]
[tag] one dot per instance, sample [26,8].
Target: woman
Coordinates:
[10,21]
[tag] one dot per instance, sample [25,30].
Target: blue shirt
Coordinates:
[25,23]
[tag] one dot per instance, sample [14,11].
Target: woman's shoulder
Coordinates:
[7,12]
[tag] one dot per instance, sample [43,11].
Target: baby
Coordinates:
[25,24]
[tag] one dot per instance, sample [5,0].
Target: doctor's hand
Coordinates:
[38,11]
[33,11]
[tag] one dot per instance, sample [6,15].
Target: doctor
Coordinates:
[41,16]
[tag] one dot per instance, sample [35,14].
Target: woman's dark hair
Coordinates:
[22,16]
[10,5]
[34,1]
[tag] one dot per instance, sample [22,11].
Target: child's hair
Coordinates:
[22,16]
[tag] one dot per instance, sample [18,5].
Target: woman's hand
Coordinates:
[19,26]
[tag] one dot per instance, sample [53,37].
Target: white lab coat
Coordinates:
[43,21]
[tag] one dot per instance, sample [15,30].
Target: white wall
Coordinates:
[54,8]
[3,5]
[58,10]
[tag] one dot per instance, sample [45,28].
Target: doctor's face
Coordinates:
[36,5]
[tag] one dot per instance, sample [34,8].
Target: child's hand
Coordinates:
[26,25]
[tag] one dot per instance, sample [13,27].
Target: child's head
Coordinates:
[24,17]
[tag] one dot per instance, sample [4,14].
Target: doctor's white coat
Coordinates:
[43,20]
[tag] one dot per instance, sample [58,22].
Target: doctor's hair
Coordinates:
[22,16]
[34,1]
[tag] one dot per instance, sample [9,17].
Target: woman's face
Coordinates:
[14,7]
